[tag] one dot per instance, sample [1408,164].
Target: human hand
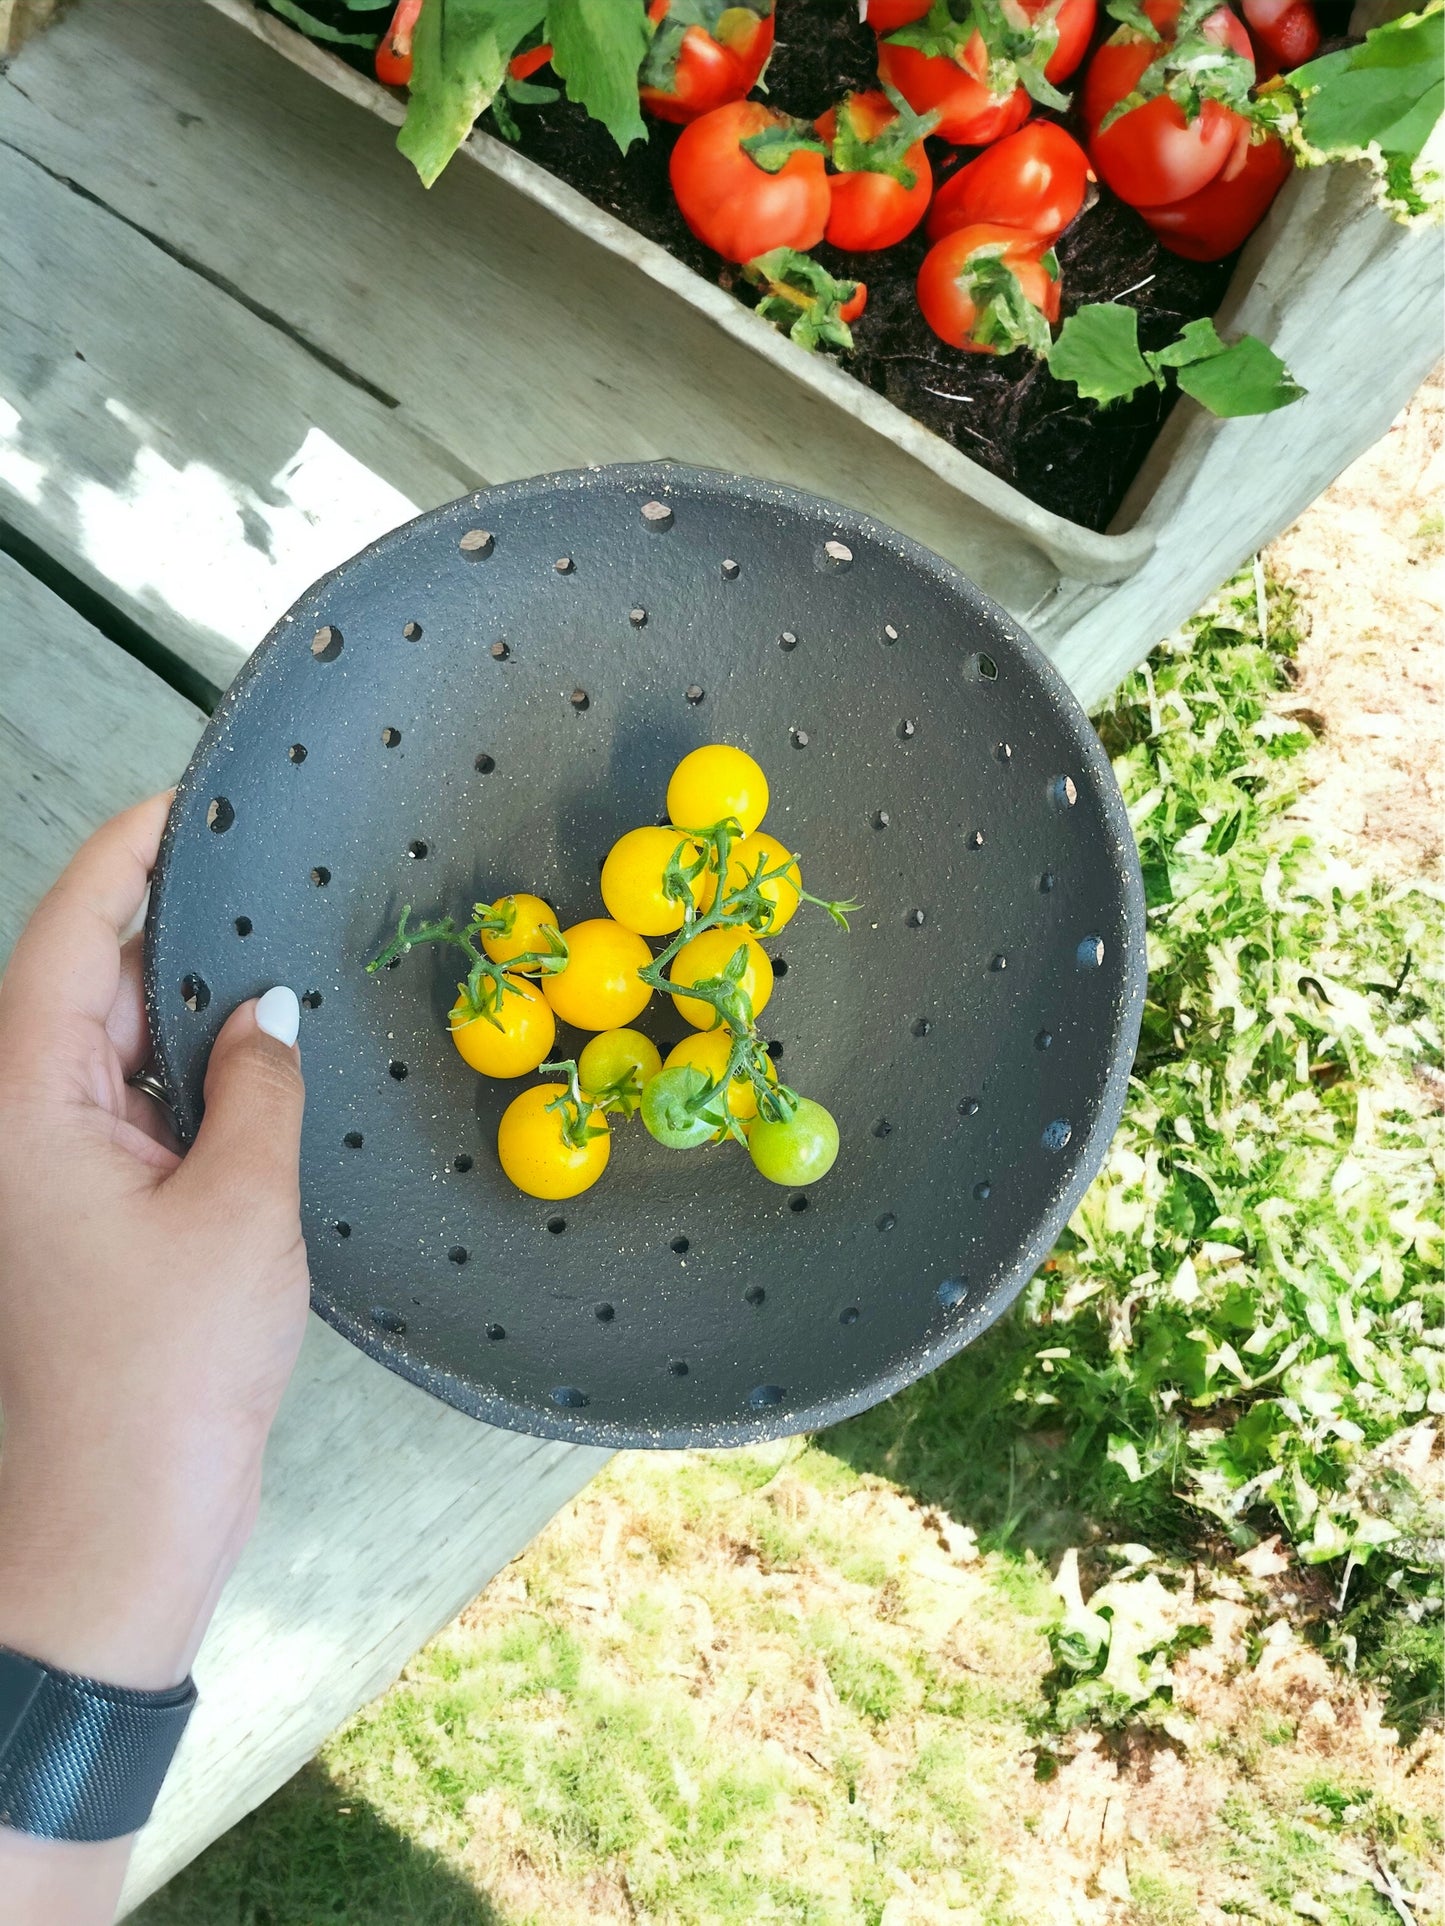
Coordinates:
[151,1306]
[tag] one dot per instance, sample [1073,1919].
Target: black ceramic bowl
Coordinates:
[483,701]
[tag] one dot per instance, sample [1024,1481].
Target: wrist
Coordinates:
[111,1569]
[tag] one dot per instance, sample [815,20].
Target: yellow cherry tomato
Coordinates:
[632,880]
[714,782]
[600,988]
[524,1039]
[780,891]
[709,1050]
[536,1153]
[615,1065]
[528,916]
[708,955]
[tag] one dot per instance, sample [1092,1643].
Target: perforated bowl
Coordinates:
[483,701]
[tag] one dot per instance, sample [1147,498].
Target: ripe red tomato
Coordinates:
[734,203]
[707,66]
[1074,22]
[1225,212]
[1035,179]
[1285,34]
[1152,155]
[392,60]
[522,66]
[956,88]
[963,274]
[886,16]
[873,207]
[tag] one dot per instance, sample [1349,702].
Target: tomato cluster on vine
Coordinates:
[715,885]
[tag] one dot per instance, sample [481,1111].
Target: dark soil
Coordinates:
[1007,412]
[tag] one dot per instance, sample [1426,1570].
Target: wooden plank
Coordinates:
[84,731]
[509,343]
[1327,272]
[170,447]
[382,1511]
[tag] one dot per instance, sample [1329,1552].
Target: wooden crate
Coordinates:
[1325,273]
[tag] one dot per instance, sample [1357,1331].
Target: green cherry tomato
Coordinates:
[665,1110]
[615,1067]
[797,1152]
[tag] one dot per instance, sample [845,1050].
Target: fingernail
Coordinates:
[279,1014]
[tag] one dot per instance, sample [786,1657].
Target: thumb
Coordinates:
[249,1142]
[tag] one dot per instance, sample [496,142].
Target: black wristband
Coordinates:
[80,1760]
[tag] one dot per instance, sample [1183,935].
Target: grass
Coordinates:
[835,1681]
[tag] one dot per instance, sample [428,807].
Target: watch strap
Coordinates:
[81,1760]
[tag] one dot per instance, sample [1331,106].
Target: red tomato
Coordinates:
[886,16]
[955,86]
[1152,156]
[714,67]
[392,60]
[523,65]
[873,209]
[849,310]
[1223,214]
[1285,34]
[1075,22]
[733,205]
[1035,180]
[951,282]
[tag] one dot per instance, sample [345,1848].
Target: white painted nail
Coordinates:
[279,1014]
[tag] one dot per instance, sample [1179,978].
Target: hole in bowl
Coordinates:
[1004,751]
[556,1225]
[983,1191]
[763,1395]
[568,1397]
[1090,953]
[219,815]
[297,752]
[416,849]
[499,652]
[787,641]
[850,1316]
[462,1163]
[678,1367]
[837,554]
[1057,1134]
[353,1140]
[797,1205]
[1046,882]
[412,631]
[907,730]
[321,876]
[495,1333]
[887,1221]
[311,1000]
[1044,1040]
[342,1228]
[195,992]
[638,618]
[999,961]
[564,565]
[799,738]
[657,515]
[603,1313]
[775,1050]
[915,919]
[921,1026]
[484,765]
[326,644]
[458,1254]
[1062,793]
[975,841]
[680,1245]
[730,569]
[694,693]
[890,634]
[391,737]
[882,1127]
[243,926]
[392,1322]
[881,819]
[951,1292]
[396,1070]
[754,1295]
[969,1107]
[477,541]
[780,966]
[982,668]
[580,700]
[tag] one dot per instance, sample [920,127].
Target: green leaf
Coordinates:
[802,298]
[1129,13]
[1246,379]
[319,29]
[1199,340]
[460,52]
[1006,317]
[1389,92]
[597,48]
[1098,350]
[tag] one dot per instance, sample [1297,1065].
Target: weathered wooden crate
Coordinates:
[1350,299]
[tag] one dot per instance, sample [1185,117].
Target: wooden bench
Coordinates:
[237,342]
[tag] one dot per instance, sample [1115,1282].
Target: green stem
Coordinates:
[575,1109]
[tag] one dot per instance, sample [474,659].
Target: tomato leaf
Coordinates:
[1199,340]
[887,152]
[775,145]
[319,29]
[460,51]
[597,48]
[1130,13]
[1006,318]
[937,33]
[1098,350]
[802,298]
[1247,378]
[1388,92]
